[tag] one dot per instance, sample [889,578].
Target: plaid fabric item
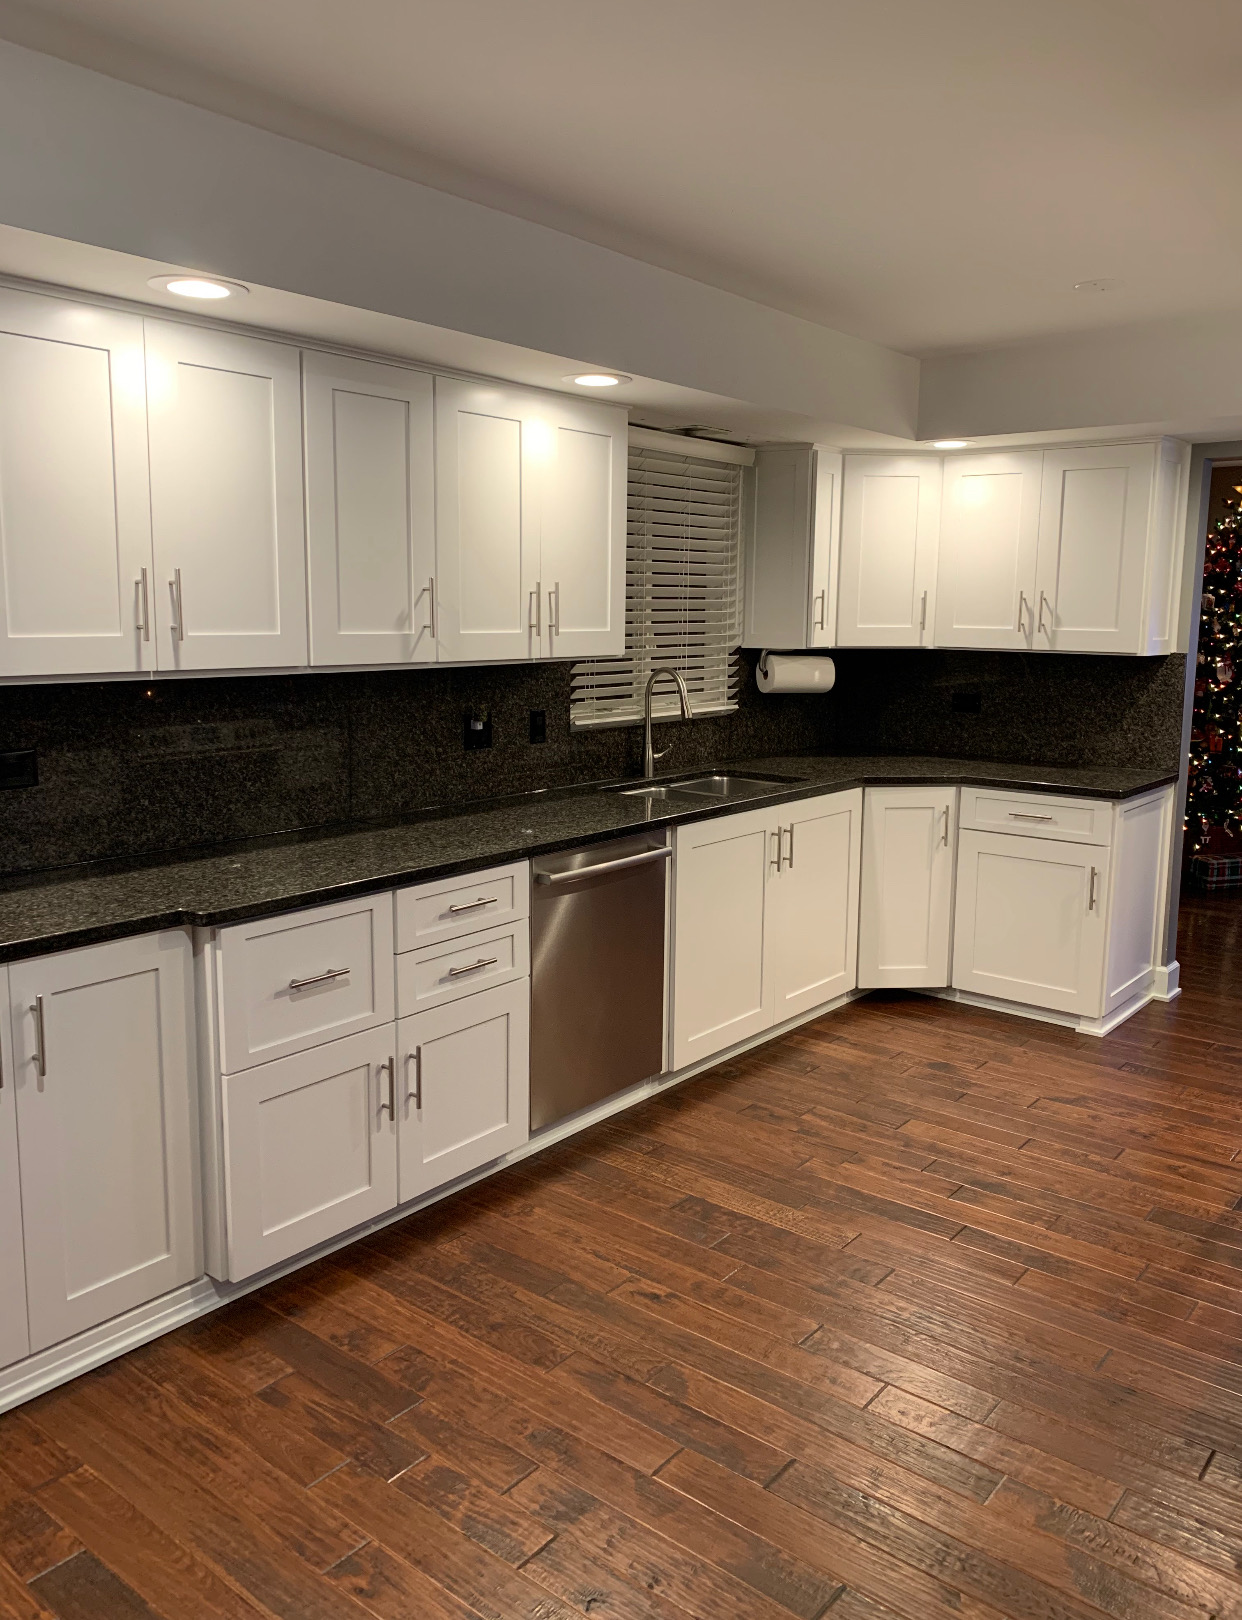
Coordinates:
[1210,872]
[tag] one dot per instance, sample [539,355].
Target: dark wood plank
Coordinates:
[84,1589]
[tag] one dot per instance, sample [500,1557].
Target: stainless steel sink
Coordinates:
[724,786]
[649,790]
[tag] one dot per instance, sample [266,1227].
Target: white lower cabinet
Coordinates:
[14,1328]
[906,911]
[102,1072]
[310,1147]
[765,909]
[464,1097]
[1031,921]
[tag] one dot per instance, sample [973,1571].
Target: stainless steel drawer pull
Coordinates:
[1025,815]
[473,967]
[473,905]
[604,866]
[40,1056]
[318,978]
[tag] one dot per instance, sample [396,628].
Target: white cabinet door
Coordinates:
[890,516]
[720,994]
[310,1148]
[14,1328]
[75,522]
[370,511]
[1095,514]
[989,529]
[909,837]
[1030,923]
[791,573]
[582,526]
[488,450]
[811,916]
[226,499]
[464,1097]
[102,1055]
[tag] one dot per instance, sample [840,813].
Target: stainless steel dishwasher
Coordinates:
[597,973]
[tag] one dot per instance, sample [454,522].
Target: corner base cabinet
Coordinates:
[765,919]
[906,910]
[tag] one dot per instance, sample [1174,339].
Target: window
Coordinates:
[682,592]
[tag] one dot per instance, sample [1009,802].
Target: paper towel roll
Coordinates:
[795,672]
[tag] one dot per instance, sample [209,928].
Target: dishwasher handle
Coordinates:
[642,859]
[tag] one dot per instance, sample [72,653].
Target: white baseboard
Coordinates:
[1045,1015]
[1168,982]
[61,1362]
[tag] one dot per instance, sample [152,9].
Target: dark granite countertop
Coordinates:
[82,905]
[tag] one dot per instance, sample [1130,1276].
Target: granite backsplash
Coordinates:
[128,769]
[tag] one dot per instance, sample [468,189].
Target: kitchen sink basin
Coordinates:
[649,790]
[724,786]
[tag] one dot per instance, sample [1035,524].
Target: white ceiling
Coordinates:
[928,176]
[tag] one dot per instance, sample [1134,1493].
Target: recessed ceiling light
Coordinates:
[207,288]
[599,379]
[950,444]
[1099,284]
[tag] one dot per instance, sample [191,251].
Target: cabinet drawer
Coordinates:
[291,982]
[462,905]
[1041,815]
[453,968]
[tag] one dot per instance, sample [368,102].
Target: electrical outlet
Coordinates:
[19,768]
[539,725]
[967,703]
[477,730]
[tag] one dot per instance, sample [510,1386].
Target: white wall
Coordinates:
[93,160]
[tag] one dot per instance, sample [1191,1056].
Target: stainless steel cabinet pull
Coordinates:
[923,617]
[604,866]
[536,597]
[1022,607]
[40,1056]
[318,978]
[473,905]
[944,836]
[1025,815]
[554,610]
[416,1058]
[144,615]
[1091,889]
[779,861]
[390,1107]
[431,599]
[821,611]
[790,830]
[174,586]
[473,967]
[1043,603]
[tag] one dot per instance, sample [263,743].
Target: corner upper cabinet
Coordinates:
[1110,539]
[225,428]
[370,511]
[890,519]
[75,523]
[791,564]
[989,534]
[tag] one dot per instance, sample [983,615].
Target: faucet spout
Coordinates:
[687,713]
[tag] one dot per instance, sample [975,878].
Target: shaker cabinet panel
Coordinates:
[791,561]
[890,518]
[989,530]
[811,918]
[370,511]
[1095,514]
[226,499]
[582,527]
[75,523]
[14,1329]
[102,1062]
[310,1148]
[1030,921]
[720,882]
[909,837]
[464,1095]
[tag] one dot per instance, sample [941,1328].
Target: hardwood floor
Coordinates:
[917,1312]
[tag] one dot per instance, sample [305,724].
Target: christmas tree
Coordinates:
[1214,796]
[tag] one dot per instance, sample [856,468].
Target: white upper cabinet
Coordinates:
[1109,542]
[906,907]
[75,526]
[989,532]
[102,1067]
[890,517]
[226,499]
[14,1336]
[370,511]
[581,451]
[530,524]
[791,569]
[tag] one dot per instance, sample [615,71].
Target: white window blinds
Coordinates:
[682,593]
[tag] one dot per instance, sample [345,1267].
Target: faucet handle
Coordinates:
[660,753]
